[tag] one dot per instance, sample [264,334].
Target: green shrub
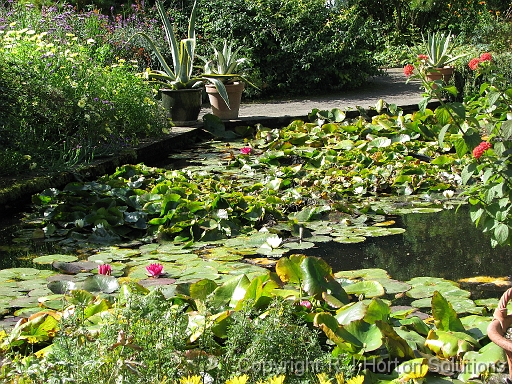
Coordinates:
[465,81]
[67,105]
[295,47]
[277,342]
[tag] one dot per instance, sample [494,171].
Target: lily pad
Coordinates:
[75,267]
[49,259]
[61,286]
[349,240]
[365,274]
[101,283]
[156,282]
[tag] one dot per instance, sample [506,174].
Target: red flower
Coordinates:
[408,70]
[245,150]
[481,148]
[154,270]
[423,57]
[473,63]
[485,57]
[104,269]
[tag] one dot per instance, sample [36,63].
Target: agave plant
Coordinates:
[179,75]
[226,63]
[439,50]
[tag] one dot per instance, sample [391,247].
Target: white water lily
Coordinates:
[274,241]
[448,193]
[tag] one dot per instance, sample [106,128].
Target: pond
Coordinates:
[442,244]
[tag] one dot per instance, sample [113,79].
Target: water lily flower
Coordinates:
[245,150]
[154,270]
[305,303]
[448,193]
[104,269]
[274,241]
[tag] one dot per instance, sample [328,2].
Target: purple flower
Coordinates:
[105,269]
[154,270]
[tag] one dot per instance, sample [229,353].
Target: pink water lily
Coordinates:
[105,269]
[245,150]
[154,270]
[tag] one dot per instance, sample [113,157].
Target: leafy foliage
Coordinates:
[353,158]
[262,325]
[295,47]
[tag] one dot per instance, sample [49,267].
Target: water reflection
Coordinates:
[444,244]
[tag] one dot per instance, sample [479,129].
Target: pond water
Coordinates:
[444,244]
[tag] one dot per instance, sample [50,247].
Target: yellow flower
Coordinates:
[81,103]
[238,380]
[276,380]
[339,378]
[359,379]
[323,379]
[191,380]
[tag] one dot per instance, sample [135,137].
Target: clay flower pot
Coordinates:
[444,74]
[219,107]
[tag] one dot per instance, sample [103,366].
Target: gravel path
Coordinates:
[391,88]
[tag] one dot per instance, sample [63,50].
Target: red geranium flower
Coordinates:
[473,63]
[423,57]
[481,148]
[485,57]
[408,70]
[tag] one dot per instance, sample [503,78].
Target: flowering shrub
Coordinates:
[474,63]
[71,108]
[481,148]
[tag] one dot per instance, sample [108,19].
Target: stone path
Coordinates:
[391,88]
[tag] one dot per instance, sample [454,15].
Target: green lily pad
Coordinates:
[49,259]
[301,245]
[349,240]
[24,301]
[367,288]
[394,286]
[61,286]
[146,283]
[365,274]
[101,283]
[75,267]
[426,286]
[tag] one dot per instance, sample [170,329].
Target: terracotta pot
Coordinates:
[182,104]
[444,74]
[219,107]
